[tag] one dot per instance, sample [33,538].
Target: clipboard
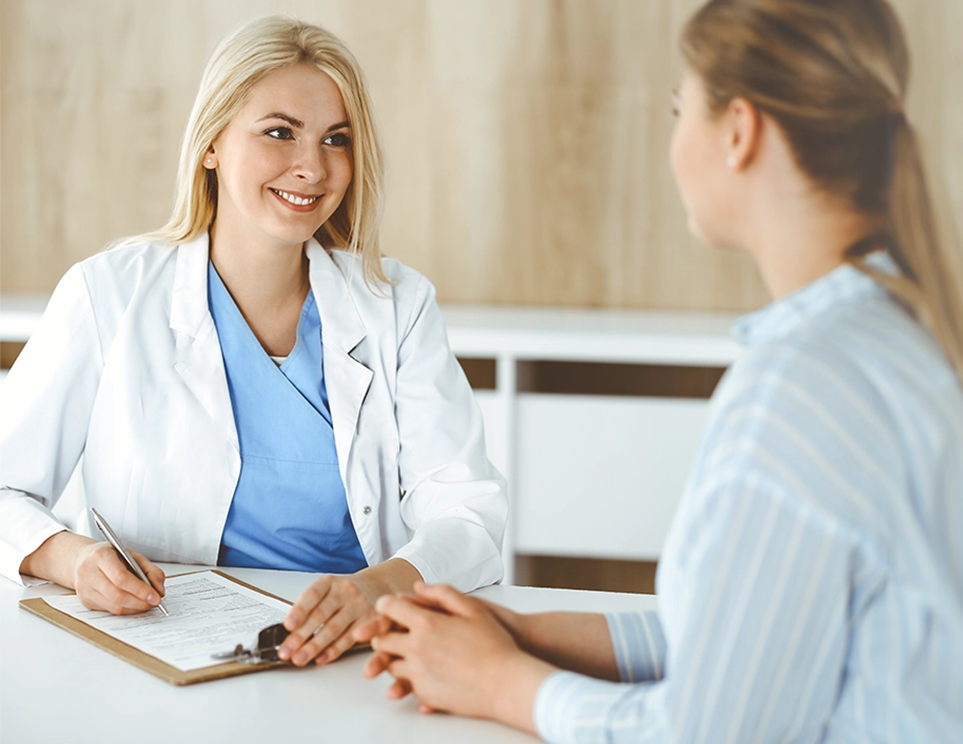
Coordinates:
[38,606]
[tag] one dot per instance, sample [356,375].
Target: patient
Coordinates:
[811,587]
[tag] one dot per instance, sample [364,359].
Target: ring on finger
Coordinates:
[318,629]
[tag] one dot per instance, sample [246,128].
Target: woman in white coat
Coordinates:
[253,384]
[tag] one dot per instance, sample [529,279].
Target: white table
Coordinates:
[55,687]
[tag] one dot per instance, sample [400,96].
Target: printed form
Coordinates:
[208,614]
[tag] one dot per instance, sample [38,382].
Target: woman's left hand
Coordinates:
[321,623]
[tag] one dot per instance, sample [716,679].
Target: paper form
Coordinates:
[208,614]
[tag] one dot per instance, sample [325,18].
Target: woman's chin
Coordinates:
[709,238]
[697,232]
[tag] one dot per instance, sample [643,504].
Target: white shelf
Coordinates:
[569,334]
[20,314]
[563,334]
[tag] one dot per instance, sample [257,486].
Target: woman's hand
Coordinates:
[103,582]
[322,622]
[323,619]
[513,622]
[455,655]
[94,570]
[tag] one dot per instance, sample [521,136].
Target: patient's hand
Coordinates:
[455,655]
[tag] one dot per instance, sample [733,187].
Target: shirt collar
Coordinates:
[844,285]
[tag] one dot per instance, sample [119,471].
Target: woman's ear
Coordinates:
[743,130]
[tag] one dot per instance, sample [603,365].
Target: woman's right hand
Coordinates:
[103,582]
[514,622]
[95,571]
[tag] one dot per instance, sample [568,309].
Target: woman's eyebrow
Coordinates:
[296,123]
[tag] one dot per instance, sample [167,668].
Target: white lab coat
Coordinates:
[126,370]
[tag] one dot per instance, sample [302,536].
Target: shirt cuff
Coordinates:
[639,644]
[554,715]
[574,709]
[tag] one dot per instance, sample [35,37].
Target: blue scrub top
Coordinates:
[289,510]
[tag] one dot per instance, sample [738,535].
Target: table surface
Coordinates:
[57,687]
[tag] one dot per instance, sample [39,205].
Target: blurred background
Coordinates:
[527,147]
[527,139]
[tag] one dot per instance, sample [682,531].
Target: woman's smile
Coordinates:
[297,201]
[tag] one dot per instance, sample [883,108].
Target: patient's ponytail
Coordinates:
[936,285]
[833,74]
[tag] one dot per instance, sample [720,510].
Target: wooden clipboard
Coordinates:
[148,663]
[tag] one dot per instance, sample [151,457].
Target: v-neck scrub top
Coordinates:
[289,509]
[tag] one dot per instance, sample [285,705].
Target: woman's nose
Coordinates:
[309,166]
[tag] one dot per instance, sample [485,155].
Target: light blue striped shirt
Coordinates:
[811,587]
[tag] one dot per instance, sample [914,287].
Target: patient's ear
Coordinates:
[742,126]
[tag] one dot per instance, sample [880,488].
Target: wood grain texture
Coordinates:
[594,574]
[527,141]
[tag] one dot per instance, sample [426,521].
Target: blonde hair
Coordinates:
[240,61]
[833,74]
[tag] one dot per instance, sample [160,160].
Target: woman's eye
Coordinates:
[282,133]
[339,139]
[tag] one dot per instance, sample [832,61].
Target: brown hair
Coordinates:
[833,75]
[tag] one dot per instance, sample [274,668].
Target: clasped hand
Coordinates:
[455,653]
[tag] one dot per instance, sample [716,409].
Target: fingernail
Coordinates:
[301,657]
[152,599]
[283,653]
[323,658]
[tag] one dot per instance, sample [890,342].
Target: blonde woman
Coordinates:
[253,385]
[811,588]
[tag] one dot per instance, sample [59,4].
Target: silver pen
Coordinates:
[125,556]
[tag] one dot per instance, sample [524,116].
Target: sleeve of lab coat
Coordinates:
[453,499]
[45,407]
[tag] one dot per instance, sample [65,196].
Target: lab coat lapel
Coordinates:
[197,355]
[342,329]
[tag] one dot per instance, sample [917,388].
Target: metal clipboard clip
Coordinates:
[263,651]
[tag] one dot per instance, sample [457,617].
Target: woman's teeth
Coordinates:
[296,199]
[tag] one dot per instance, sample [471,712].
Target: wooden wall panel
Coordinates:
[527,140]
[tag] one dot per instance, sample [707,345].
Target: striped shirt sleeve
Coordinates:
[756,633]
[639,645]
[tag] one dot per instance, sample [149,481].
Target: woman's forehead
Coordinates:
[301,92]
